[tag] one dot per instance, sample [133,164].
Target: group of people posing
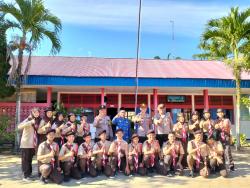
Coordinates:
[65,149]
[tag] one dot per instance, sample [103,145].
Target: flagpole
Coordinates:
[138,54]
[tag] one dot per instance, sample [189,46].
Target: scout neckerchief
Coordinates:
[104,155]
[173,153]
[52,161]
[222,130]
[183,133]
[198,155]
[35,126]
[152,156]
[136,155]
[84,128]
[70,147]
[119,152]
[87,148]
[69,123]
[210,129]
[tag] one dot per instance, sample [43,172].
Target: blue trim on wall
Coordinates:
[143,82]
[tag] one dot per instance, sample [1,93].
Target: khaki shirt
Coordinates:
[144,123]
[44,149]
[165,126]
[215,148]
[191,123]
[104,123]
[193,145]
[177,146]
[58,129]
[114,148]
[137,147]
[65,149]
[147,146]
[178,129]
[68,127]
[204,124]
[224,124]
[83,149]
[27,140]
[98,146]
[43,127]
[82,129]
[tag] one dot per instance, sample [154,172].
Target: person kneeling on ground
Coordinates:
[216,154]
[118,152]
[67,156]
[198,155]
[84,157]
[135,156]
[173,154]
[151,151]
[47,156]
[100,154]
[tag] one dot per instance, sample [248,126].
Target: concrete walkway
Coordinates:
[11,177]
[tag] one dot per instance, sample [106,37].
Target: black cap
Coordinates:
[48,109]
[195,113]
[119,130]
[102,107]
[220,110]
[206,111]
[150,132]
[50,131]
[134,136]
[86,134]
[70,133]
[198,132]
[180,114]
[122,108]
[71,114]
[100,133]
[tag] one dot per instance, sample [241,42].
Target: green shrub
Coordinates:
[6,134]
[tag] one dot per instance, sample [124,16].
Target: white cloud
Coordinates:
[189,18]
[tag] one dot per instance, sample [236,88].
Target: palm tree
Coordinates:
[32,22]
[228,39]
[4,64]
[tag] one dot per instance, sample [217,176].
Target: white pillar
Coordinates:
[58,99]
[193,103]
[119,101]
[235,108]
[149,104]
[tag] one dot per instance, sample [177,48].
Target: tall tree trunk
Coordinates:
[18,98]
[238,102]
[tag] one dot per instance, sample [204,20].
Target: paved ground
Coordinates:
[10,177]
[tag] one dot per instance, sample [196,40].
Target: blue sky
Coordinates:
[108,28]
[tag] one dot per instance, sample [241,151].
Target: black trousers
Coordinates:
[27,155]
[162,138]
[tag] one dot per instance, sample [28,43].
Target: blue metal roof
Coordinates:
[143,82]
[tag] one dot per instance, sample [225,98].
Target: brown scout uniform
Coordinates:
[101,159]
[135,160]
[48,166]
[152,159]
[68,164]
[172,157]
[28,144]
[83,159]
[119,154]
[199,157]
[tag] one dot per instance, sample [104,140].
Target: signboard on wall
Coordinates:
[176,98]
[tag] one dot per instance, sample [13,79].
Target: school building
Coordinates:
[182,85]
